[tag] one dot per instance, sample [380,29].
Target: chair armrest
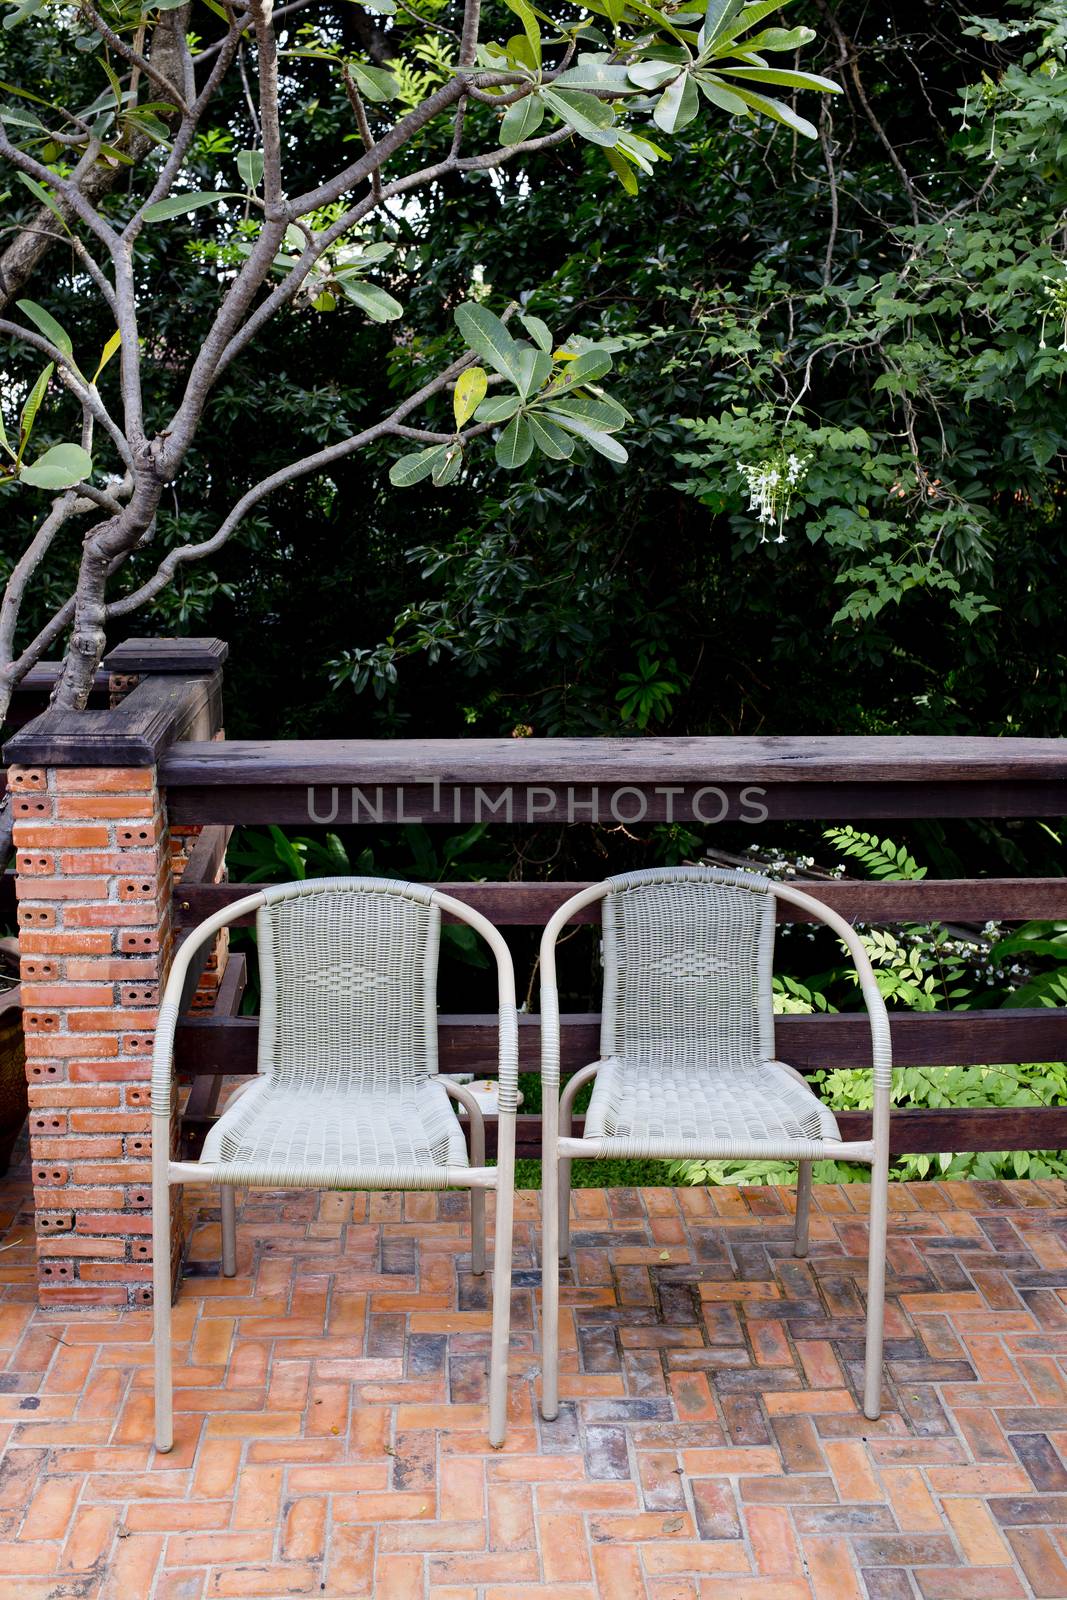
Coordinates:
[550,1035]
[878,1017]
[171,1007]
[508,1047]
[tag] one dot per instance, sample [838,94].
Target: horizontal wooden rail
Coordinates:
[531,904]
[694,780]
[920,1039]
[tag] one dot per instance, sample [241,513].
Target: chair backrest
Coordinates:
[688,955]
[348,977]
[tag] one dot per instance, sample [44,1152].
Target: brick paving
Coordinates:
[331,1419]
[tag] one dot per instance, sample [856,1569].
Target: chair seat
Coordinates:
[688,1102]
[270,1128]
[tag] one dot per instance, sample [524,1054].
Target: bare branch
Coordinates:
[317,462]
[360,113]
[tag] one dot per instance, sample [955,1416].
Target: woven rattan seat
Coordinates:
[687,1064]
[269,1131]
[702,1103]
[347,1093]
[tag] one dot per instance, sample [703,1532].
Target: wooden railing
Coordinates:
[456,782]
[170,718]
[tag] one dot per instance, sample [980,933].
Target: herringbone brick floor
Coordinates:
[331,1428]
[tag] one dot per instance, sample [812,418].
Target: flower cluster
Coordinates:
[771,485]
[1055,306]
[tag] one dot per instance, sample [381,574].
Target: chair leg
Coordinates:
[551,1185]
[800,1230]
[478,1198]
[564,1183]
[501,1334]
[228,1197]
[872,1367]
[478,1232]
[161,1293]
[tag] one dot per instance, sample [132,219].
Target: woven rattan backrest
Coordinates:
[348,977]
[688,954]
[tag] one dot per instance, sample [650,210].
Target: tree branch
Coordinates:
[134,57]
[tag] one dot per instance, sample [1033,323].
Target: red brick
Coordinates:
[103,780]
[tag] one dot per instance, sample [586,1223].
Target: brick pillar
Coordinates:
[93,863]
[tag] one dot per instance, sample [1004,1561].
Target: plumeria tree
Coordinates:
[95,179]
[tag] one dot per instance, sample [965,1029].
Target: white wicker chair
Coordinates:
[687,1064]
[347,1095]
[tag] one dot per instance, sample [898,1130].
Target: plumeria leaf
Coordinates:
[469,394]
[602,443]
[585,368]
[108,351]
[716,91]
[448,466]
[777,110]
[370,298]
[522,119]
[61,467]
[597,72]
[487,336]
[498,408]
[530,27]
[412,469]
[33,405]
[623,168]
[40,193]
[606,415]
[539,332]
[45,323]
[549,438]
[535,367]
[677,105]
[374,83]
[653,74]
[515,445]
[783,78]
[176,205]
[588,116]
[250,167]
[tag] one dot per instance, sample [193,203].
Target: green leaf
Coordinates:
[623,168]
[777,110]
[448,467]
[487,336]
[250,168]
[654,74]
[412,469]
[176,205]
[596,72]
[603,443]
[33,405]
[529,25]
[4,442]
[718,14]
[539,331]
[535,366]
[586,368]
[778,39]
[716,91]
[468,394]
[522,119]
[59,468]
[109,350]
[515,445]
[112,78]
[374,83]
[41,193]
[45,323]
[498,408]
[369,297]
[677,105]
[549,438]
[783,78]
[588,116]
[27,9]
[606,415]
